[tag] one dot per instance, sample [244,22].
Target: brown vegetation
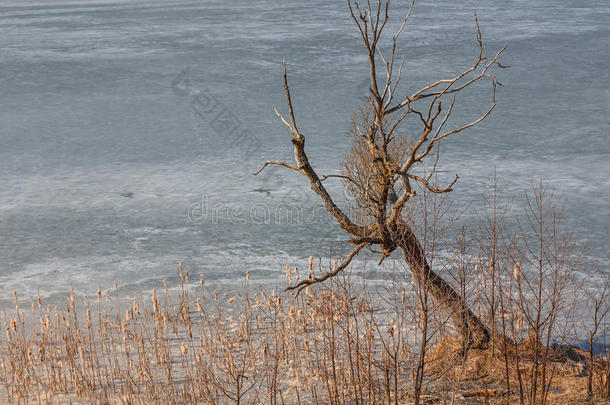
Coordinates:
[345,342]
[336,345]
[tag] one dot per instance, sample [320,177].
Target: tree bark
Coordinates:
[466,322]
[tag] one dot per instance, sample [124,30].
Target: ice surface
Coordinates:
[103,151]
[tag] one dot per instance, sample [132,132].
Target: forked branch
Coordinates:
[302,166]
[274,162]
[314,280]
[431,187]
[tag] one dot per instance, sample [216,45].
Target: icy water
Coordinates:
[130,129]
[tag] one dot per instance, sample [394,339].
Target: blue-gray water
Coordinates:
[105,144]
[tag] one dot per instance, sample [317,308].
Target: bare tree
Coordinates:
[596,303]
[378,171]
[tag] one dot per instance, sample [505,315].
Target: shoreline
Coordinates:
[182,348]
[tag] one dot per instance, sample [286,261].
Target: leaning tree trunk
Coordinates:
[466,322]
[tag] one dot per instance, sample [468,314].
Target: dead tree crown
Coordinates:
[378,170]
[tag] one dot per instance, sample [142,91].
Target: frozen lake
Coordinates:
[102,154]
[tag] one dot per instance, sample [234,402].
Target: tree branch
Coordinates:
[303,166]
[307,282]
[274,162]
[432,188]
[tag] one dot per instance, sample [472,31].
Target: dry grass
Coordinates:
[337,344]
[481,374]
